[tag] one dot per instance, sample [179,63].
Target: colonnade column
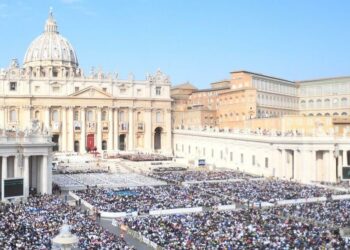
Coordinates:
[44,175]
[99,130]
[3,175]
[116,129]
[110,129]
[70,137]
[64,129]
[131,129]
[148,130]
[82,144]
[26,176]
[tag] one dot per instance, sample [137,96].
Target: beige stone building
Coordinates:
[82,111]
[251,100]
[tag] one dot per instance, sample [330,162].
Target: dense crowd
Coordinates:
[331,213]
[264,190]
[182,176]
[143,157]
[246,229]
[144,199]
[32,225]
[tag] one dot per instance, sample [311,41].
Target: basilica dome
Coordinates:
[50,49]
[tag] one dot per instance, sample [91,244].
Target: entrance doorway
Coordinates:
[158,138]
[55,139]
[122,142]
[104,145]
[90,142]
[76,146]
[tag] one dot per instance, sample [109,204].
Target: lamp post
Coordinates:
[336,156]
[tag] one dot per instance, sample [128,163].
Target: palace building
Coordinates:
[84,112]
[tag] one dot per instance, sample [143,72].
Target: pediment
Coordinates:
[91,92]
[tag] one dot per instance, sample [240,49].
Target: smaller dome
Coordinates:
[50,49]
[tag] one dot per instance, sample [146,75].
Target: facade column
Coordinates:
[131,129]
[148,130]
[64,129]
[110,129]
[3,175]
[168,137]
[26,116]
[26,176]
[44,175]
[82,144]
[70,137]
[116,129]
[47,117]
[16,170]
[99,130]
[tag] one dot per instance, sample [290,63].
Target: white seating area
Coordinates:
[114,180]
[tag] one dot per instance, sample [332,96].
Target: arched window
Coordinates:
[159,116]
[37,114]
[319,103]
[327,103]
[344,114]
[89,116]
[121,116]
[104,115]
[302,104]
[335,114]
[335,102]
[344,102]
[55,115]
[13,115]
[327,114]
[311,103]
[319,114]
[311,114]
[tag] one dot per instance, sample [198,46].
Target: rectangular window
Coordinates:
[253,160]
[55,89]
[266,162]
[122,91]
[76,89]
[37,88]
[242,158]
[158,90]
[104,89]
[139,91]
[13,86]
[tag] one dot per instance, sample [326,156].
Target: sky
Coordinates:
[200,41]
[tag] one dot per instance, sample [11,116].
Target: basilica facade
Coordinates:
[97,111]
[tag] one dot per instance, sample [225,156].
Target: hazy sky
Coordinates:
[199,41]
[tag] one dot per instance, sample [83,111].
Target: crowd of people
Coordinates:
[245,229]
[267,190]
[183,176]
[142,157]
[334,213]
[145,199]
[33,224]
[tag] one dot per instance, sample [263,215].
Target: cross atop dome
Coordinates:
[50,25]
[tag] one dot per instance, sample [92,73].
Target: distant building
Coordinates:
[249,97]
